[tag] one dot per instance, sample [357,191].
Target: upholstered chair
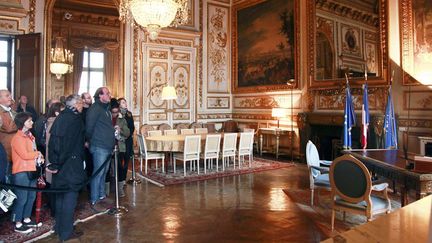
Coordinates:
[245,148]
[318,173]
[164,127]
[154,133]
[191,152]
[229,148]
[145,128]
[149,155]
[171,132]
[351,189]
[211,151]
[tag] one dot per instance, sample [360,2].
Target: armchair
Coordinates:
[351,187]
[318,175]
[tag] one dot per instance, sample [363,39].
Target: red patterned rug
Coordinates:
[320,213]
[83,212]
[170,178]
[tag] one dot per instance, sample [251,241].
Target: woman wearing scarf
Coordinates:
[123,165]
[25,157]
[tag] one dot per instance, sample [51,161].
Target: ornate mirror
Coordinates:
[347,36]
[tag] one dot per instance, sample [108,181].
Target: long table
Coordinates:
[391,164]
[408,224]
[173,143]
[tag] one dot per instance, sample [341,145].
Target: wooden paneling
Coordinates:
[27,68]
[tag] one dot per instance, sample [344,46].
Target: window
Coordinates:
[92,76]
[6,60]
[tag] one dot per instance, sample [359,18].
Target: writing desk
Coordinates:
[391,164]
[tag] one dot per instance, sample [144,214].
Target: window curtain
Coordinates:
[78,67]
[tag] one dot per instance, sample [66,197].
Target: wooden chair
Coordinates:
[229,148]
[164,127]
[201,131]
[145,128]
[318,175]
[245,148]
[195,125]
[211,127]
[154,133]
[191,152]
[181,126]
[149,155]
[351,189]
[230,126]
[187,131]
[211,151]
[171,132]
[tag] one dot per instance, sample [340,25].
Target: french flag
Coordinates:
[365,117]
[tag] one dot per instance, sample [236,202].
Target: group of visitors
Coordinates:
[72,141]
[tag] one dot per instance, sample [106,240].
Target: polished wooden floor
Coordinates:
[245,208]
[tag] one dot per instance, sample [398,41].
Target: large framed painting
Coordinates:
[265,45]
[416,41]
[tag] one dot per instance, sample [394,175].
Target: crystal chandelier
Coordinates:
[154,14]
[61,59]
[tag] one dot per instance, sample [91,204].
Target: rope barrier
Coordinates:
[53,190]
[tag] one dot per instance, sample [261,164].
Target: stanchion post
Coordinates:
[118,210]
[133,180]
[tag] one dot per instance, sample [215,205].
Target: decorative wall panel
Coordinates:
[218,49]
[181,116]
[181,74]
[158,117]
[158,79]
[218,102]
[268,102]
[418,100]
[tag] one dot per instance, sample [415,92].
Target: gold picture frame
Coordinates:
[415,41]
[265,68]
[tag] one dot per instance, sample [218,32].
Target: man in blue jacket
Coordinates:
[100,135]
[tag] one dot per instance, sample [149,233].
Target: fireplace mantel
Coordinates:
[316,126]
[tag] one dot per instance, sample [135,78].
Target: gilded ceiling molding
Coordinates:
[347,11]
[32,13]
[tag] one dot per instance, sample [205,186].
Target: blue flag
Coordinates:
[349,118]
[390,130]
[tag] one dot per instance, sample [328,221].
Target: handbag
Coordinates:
[32,175]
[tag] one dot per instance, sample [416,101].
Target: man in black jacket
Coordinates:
[66,153]
[100,135]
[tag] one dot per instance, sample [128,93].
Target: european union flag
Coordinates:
[349,118]
[390,130]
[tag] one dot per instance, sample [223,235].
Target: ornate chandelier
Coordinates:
[61,59]
[154,14]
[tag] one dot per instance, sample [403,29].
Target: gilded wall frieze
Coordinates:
[217,48]
[94,33]
[417,123]
[253,116]
[157,116]
[181,56]
[256,102]
[418,100]
[214,116]
[337,102]
[159,54]
[346,11]
[170,42]
[10,26]
[86,18]
[218,102]
[181,116]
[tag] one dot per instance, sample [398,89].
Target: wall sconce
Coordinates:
[169,93]
[279,113]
